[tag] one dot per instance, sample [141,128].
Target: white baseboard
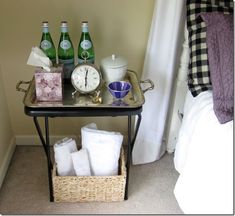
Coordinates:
[7,160]
[29,140]
[35,140]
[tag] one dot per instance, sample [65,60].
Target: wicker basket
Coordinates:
[90,188]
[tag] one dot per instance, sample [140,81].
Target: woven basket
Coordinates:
[90,188]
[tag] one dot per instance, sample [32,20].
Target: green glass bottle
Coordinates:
[66,52]
[85,47]
[47,44]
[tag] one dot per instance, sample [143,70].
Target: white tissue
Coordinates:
[103,149]
[63,149]
[38,58]
[81,162]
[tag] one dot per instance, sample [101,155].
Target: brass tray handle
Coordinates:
[20,89]
[147,81]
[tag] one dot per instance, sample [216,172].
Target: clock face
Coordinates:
[85,78]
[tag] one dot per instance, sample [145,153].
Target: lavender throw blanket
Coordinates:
[219,41]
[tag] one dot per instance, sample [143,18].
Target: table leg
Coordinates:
[49,165]
[46,146]
[136,131]
[128,157]
[40,134]
[130,146]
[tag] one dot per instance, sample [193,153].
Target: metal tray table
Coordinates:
[83,106]
[134,99]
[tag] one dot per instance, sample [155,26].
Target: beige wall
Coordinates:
[6,133]
[116,26]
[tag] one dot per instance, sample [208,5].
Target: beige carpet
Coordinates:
[25,189]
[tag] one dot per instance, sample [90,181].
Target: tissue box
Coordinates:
[49,84]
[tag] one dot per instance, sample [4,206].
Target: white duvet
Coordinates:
[204,159]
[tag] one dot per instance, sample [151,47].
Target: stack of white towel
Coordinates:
[98,156]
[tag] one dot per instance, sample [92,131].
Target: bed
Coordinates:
[203,110]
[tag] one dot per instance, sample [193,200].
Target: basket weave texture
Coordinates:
[90,188]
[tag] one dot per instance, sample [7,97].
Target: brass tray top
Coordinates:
[134,99]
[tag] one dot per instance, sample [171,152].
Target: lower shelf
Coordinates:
[90,188]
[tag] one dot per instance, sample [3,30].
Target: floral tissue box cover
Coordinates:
[49,84]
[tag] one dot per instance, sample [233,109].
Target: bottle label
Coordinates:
[86,44]
[65,44]
[45,44]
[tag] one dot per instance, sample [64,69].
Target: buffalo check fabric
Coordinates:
[199,74]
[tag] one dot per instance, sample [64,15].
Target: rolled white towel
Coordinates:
[91,126]
[63,149]
[103,149]
[69,142]
[81,162]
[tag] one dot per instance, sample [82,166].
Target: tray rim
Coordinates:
[59,104]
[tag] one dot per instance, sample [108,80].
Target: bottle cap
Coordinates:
[84,23]
[64,24]
[45,24]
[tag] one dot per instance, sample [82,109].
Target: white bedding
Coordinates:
[204,159]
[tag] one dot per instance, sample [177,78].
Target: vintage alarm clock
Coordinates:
[86,79]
